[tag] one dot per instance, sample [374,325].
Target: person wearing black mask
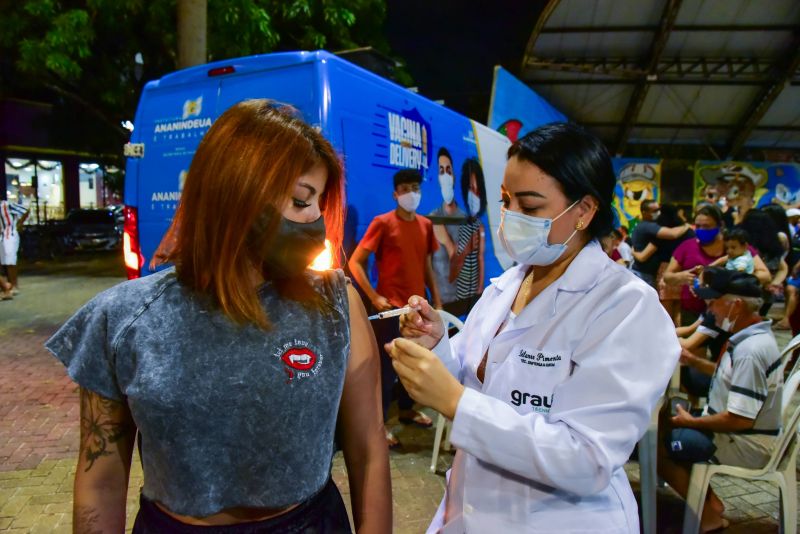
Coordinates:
[238,365]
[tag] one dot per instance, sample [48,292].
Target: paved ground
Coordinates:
[39,424]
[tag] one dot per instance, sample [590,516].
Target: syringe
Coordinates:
[391,313]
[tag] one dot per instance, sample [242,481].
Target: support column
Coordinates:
[72,186]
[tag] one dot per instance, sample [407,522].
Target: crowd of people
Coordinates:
[717,276]
[668,250]
[239,371]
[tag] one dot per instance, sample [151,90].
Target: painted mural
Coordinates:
[732,185]
[783,186]
[637,180]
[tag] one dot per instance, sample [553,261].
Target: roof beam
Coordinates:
[676,28]
[671,8]
[691,126]
[537,30]
[781,74]
[691,70]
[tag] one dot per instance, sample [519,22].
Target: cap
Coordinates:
[634,172]
[726,172]
[793,212]
[716,281]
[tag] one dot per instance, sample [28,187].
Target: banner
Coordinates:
[515,109]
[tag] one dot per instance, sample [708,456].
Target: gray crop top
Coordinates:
[229,416]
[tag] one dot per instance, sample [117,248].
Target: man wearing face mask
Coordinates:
[446,234]
[743,416]
[647,231]
[403,244]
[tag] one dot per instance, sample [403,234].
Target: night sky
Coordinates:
[451,47]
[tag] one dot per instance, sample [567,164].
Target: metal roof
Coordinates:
[722,74]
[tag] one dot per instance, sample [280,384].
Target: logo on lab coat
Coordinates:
[540,403]
[539,359]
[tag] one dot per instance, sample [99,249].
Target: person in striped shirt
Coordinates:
[12,215]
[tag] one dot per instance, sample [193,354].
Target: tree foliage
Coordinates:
[83,50]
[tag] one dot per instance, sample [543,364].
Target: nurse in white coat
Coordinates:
[553,379]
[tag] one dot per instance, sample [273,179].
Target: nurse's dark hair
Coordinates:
[578,161]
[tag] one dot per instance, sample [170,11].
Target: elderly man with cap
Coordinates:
[743,416]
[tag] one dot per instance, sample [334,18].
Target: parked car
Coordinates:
[95,229]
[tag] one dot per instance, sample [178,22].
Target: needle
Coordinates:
[391,313]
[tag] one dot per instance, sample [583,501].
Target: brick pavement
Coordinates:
[39,425]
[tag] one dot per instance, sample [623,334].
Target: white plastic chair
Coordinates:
[648,475]
[793,344]
[779,469]
[442,424]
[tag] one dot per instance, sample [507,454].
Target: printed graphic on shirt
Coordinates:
[300,359]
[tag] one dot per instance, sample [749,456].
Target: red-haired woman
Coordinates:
[236,364]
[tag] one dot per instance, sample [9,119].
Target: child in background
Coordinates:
[737,257]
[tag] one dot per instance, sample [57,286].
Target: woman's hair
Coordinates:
[778,216]
[578,161]
[711,210]
[246,166]
[669,216]
[470,167]
[763,233]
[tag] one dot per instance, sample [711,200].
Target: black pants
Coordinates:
[385,331]
[324,513]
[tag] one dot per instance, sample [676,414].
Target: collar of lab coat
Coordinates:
[581,276]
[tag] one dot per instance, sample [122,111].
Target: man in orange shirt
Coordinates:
[403,243]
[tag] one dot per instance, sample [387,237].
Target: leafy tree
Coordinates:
[83,50]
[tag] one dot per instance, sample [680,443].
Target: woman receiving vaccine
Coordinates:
[238,365]
[553,379]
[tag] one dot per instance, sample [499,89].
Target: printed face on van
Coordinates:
[445,165]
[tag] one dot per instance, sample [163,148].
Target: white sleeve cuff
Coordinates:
[468,407]
[442,349]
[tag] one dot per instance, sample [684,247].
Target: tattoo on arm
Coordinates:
[87,521]
[101,426]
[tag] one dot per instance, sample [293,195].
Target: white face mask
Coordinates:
[446,184]
[474,202]
[525,237]
[409,201]
[727,322]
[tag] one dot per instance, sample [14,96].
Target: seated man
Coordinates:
[743,416]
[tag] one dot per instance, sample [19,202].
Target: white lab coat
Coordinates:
[586,362]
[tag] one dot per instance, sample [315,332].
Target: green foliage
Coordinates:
[83,50]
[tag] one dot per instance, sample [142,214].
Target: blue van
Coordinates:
[377,126]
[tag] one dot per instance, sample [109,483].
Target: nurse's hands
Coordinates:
[425,377]
[423,326]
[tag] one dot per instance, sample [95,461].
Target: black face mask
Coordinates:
[291,248]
